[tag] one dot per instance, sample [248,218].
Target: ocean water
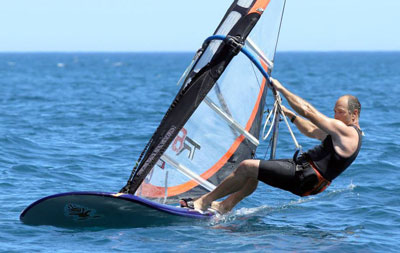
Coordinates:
[76,122]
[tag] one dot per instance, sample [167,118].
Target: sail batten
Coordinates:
[187,172]
[231,121]
[258,51]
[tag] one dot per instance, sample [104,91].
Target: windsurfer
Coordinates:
[313,170]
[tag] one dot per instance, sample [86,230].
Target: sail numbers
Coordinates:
[183,142]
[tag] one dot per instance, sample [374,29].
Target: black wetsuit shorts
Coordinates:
[280,173]
[301,178]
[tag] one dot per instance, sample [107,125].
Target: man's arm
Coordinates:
[334,127]
[305,126]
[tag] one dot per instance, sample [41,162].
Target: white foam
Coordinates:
[228,217]
[351,185]
[249,211]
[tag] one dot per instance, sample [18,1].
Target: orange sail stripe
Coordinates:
[259,5]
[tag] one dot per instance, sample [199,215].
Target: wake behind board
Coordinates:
[101,209]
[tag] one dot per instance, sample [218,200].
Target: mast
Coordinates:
[277,114]
[275,132]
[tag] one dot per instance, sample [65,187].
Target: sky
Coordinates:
[182,25]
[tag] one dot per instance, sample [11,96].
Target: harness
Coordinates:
[310,179]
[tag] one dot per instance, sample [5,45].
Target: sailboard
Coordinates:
[212,125]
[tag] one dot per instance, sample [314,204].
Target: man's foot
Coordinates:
[186,202]
[219,206]
[200,204]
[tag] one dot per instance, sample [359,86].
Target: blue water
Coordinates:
[75,122]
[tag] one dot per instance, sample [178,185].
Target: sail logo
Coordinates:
[161,145]
[78,212]
[183,142]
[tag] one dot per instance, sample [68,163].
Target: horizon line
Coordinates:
[194,51]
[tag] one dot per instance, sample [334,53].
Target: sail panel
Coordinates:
[245,3]
[197,146]
[265,34]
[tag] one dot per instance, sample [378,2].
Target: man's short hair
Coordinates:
[353,104]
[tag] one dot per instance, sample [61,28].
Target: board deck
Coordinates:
[102,209]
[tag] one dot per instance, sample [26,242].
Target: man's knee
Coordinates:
[252,184]
[248,168]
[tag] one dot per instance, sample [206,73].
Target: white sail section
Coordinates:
[265,34]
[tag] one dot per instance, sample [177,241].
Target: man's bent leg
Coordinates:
[229,203]
[236,181]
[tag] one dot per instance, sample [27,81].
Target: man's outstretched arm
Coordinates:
[305,126]
[330,126]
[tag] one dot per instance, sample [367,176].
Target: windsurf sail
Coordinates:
[214,121]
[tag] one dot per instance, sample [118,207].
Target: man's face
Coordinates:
[341,111]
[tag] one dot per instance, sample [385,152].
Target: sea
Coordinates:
[79,121]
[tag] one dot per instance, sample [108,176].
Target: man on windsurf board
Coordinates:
[310,173]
